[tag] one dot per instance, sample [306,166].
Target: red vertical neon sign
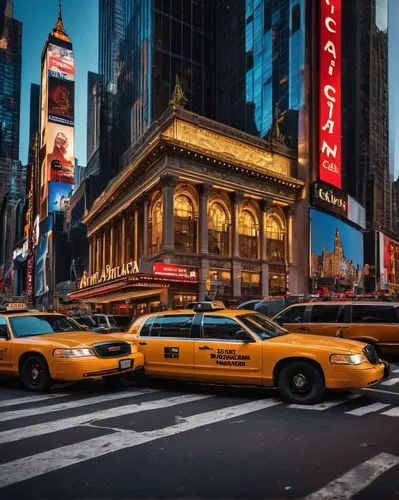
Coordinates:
[330,92]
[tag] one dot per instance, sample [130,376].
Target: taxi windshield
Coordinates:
[28,326]
[261,326]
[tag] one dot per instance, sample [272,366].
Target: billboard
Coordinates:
[330,92]
[59,197]
[329,198]
[391,263]
[40,267]
[60,101]
[60,62]
[336,251]
[60,153]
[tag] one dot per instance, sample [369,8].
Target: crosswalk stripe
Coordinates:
[371,408]
[380,391]
[393,412]
[55,459]
[119,411]
[390,381]
[357,479]
[326,405]
[34,399]
[12,415]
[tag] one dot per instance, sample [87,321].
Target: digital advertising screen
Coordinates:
[40,266]
[60,101]
[60,152]
[336,249]
[391,261]
[59,197]
[60,62]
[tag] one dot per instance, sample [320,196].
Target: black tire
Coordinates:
[35,374]
[301,382]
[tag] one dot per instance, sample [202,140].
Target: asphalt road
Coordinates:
[182,441]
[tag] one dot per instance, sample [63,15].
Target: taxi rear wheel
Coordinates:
[301,382]
[35,375]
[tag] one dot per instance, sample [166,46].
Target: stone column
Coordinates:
[146,206]
[238,195]
[123,240]
[265,278]
[89,266]
[168,234]
[98,242]
[136,234]
[104,251]
[203,218]
[111,245]
[264,207]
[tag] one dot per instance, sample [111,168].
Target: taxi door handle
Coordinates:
[205,348]
[142,343]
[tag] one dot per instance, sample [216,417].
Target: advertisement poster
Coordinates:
[174,271]
[60,153]
[40,267]
[59,197]
[60,101]
[336,251]
[330,92]
[391,263]
[60,62]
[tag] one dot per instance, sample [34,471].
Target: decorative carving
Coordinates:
[229,149]
[178,99]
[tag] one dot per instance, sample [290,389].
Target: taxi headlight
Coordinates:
[347,359]
[72,353]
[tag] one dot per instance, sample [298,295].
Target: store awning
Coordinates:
[123,295]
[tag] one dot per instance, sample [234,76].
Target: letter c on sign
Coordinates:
[328,91]
[330,21]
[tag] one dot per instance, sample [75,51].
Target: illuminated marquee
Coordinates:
[330,92]
[108,273]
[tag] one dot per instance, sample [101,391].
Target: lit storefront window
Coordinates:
[181,300]
[185,224]
[250,284]
[275,235]
[218,230]
[248,233]
[155,226]
[221,284]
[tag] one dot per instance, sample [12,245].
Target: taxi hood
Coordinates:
[320,342]
[77,339]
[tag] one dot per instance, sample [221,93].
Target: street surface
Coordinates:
[176,440]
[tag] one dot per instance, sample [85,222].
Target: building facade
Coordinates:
[10,81]
[203,210]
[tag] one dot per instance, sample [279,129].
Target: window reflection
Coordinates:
[155,227]
[185,224]
[218,230]
[248,235]
[275,235]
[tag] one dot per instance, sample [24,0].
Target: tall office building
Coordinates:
[10,81]
[260,61]
[34,112]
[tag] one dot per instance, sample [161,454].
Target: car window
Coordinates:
[220,327]
[101,320]
[112,321]
[291,315]
[3,328]
[174,325]
[123,320]
[26,326]
[324,314]
[369,313]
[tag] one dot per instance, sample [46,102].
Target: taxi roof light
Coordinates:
[214,305]
[15,307]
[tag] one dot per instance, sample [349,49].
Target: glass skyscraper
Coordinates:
[10,81]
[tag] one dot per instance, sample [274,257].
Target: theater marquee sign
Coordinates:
[108,274]
[329,198]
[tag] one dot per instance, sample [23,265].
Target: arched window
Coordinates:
[248,234]
[275,234]
[218,230]
[155,226]
[185,224]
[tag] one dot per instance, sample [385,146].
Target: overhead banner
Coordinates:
[60,101]
[330,93]
[60,153]
[60,62]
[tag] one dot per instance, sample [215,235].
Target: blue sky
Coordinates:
[323,233]
[81,24]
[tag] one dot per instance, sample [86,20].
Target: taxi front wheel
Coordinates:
[35,375]
[301,382]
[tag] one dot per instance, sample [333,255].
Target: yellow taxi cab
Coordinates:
[213,344]
[43,347]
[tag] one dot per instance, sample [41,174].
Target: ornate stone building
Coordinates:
[202,209]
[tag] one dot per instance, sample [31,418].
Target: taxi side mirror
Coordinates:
[243,336]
